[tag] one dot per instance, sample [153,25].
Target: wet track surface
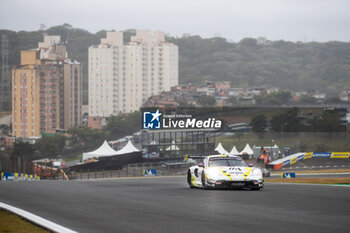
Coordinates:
[168,205]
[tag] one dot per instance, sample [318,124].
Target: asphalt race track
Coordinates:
[167,205]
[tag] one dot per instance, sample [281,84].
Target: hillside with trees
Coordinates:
[249,62]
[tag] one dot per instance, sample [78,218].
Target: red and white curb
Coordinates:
[36,219]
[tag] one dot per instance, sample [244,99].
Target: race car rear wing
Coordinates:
[194,157]
[198,157]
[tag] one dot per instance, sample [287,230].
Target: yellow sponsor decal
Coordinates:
[308,155]
[247,173]
[16,176]
[193,180]
[206,176]
[340,155]
[226,174]
[293,160]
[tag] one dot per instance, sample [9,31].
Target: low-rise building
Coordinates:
[345,96]
[225,86]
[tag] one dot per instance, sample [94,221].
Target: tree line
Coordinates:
[78,139]
[291,120]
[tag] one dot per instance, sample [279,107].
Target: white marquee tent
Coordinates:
[153,142]
[128,148]
[234,151]
[105,150]
[247,150]
[221,149]
[172,147]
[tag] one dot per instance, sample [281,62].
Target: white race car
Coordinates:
[224,171]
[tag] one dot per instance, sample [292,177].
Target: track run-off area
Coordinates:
[166,204]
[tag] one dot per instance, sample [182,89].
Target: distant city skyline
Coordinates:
[297,20]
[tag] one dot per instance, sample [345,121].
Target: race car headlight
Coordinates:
[256,172]
[212,174]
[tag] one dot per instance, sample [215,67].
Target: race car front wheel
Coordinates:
[204,183]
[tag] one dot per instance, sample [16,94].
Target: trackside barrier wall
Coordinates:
[291,159]
[15,176]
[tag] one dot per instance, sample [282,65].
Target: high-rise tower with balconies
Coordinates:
[123,76]
[46,90]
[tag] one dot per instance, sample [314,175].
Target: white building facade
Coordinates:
[122,77]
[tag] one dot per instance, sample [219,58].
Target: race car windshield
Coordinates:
[226,162]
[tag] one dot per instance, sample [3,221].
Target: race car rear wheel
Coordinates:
[189,179]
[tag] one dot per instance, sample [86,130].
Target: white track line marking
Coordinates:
[130,178]
[36,219]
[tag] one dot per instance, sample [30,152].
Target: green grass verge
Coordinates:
[12,223]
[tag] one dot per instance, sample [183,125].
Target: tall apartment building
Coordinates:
[46,91]
[72,94]
[122,77]
[5,76]
[70,86]
[35,94]
[52,48]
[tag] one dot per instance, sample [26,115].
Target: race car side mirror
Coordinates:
[250,165]
[201,165]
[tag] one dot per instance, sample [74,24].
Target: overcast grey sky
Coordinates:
[294,20]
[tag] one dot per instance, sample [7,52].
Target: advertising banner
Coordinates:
[340,155]
[321,155]
[10,176]
[293,160]
[286,163]
[150,172]
[308,155]
[288,175]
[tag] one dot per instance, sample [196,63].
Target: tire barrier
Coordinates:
[291,159]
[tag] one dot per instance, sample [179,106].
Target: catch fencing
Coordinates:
[128,171]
